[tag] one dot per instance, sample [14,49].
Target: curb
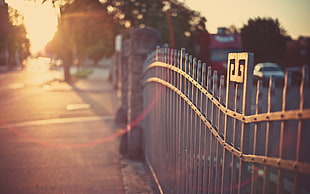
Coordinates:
[136,178]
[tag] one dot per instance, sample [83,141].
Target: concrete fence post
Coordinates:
[142,42]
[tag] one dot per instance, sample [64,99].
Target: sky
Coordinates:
[293,15]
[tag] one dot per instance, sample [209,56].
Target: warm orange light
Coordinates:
[40,21]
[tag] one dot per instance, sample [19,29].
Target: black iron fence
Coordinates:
[208,134]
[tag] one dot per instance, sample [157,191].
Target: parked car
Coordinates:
[263,71]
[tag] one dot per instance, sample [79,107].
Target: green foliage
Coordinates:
[14,38]
[96,50]
[86,28]
[18,41]
[89,27]
[176,22]
[84,73]
[266,39]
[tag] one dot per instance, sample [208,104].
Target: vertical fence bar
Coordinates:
[200,130]
[302,154]
[184,131]
[256,139]
[185,122]
[210,135]
[194,131]
[266,183]
[220,130]
[227,161]
[203,132]
[181,125]
[215,125]
[300,126]
[222,102]
[247,60]
[193,127]
[207,133]
[188,127]
[281,141]
[234,180]
[173,122]
[166,128]
[177,126]
[197,130]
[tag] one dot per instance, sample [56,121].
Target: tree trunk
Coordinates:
[67,75]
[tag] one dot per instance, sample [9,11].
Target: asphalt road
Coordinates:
[55,137]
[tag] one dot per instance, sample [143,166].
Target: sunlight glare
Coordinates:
[40,22]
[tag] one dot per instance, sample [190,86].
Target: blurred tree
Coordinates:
[266,39]
[4,24]
[88,27]
[176,22]
[18,43]
[85,31]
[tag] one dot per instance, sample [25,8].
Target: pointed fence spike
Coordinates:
[214,85]
[269,94]
[182,59]
[157,56]
[194,68]
[186,66]
[209,78]
[168,56]
[165,55]
[162,55]
[171,56]
[175,58]
[190,65]
[258,96]
[199,72]
[222,89]
[284,91]
[178,59]
[204,74]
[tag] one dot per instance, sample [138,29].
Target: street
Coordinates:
[57,137]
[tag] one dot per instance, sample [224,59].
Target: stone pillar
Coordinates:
[143,42]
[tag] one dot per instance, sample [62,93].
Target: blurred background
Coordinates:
[82,32]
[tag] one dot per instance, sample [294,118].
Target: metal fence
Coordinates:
[210,134]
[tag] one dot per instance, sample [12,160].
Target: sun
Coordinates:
[40,22]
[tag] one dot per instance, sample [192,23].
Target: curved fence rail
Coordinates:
[205,135]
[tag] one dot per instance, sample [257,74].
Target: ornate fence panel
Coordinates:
[203,134]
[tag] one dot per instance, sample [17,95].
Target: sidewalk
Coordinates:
[100,167]
[136,179]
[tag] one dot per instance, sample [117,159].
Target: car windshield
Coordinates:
[271,69]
